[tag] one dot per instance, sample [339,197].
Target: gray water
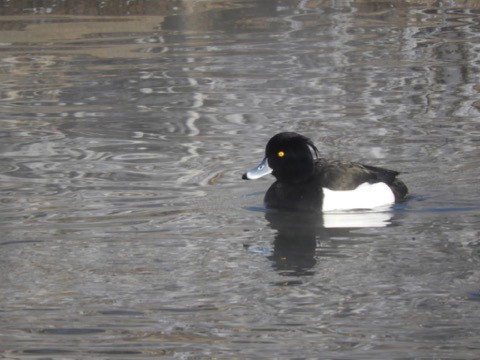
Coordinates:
[127,232]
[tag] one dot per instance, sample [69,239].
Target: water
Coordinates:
[128,233]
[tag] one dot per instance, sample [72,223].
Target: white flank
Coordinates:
[365,196]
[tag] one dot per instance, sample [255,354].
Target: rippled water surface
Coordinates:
[127,232]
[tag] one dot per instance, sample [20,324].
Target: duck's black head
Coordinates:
[289,157]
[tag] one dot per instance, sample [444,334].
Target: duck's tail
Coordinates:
[399,189]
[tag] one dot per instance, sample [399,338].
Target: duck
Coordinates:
[306,181]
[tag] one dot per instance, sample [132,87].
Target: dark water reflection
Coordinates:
[126,230]
[295,250]
[294,243]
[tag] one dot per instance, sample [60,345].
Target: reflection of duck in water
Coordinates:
[306,182]
[295,246]
[295,242]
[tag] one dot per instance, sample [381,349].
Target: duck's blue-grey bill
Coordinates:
[261,170]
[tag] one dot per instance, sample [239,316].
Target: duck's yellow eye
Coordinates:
[281,154]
